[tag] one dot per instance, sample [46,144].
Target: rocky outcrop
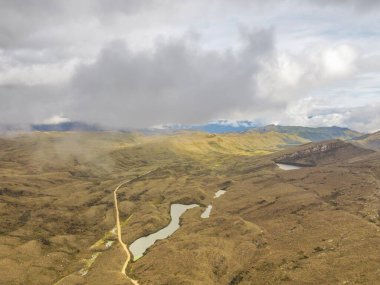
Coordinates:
[321,153]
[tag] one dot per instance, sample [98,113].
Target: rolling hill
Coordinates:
[313,134]
[218,127]
[321,153]
[371,141]
[305,226]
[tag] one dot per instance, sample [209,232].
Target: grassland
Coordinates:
[309,226]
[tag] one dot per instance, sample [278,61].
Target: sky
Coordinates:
[144,63]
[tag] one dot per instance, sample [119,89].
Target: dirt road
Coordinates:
[118,226]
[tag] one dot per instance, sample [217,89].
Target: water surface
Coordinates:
[219,193]
[207,212]
[139,246]
[287,166]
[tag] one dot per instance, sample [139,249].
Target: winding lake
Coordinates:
[139,246]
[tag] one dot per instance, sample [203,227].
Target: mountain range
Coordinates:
[218,127]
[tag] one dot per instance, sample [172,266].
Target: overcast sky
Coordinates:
[142,63]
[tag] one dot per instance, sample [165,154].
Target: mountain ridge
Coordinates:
[314,134]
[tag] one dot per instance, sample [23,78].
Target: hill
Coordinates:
[216,127]
[66,127]
[321,153]
[306,226]
[371,141]
[312,134]
[231,143]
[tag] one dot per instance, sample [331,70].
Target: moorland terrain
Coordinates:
[316,225]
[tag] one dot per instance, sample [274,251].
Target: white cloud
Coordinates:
[16,73]
[56,119]
[338,61]
[288,77]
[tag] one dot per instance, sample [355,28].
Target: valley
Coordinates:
[71,202]
[189,142]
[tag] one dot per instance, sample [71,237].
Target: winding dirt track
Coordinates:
[118,226]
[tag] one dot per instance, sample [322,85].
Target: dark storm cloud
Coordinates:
[177,82]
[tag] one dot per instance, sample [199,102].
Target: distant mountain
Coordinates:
[321,153]
[371,141]
[312,134]
[216,127]
[66,127]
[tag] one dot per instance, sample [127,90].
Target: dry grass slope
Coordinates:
[308,226]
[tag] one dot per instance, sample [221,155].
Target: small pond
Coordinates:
[207,212]
[287,166]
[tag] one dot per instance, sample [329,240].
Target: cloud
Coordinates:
[57,119]
[24,105]
[315,112]
[21,22]
[358,5]
[364,118]
[16,73]
[176,82]
[137,63]
[287,77]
